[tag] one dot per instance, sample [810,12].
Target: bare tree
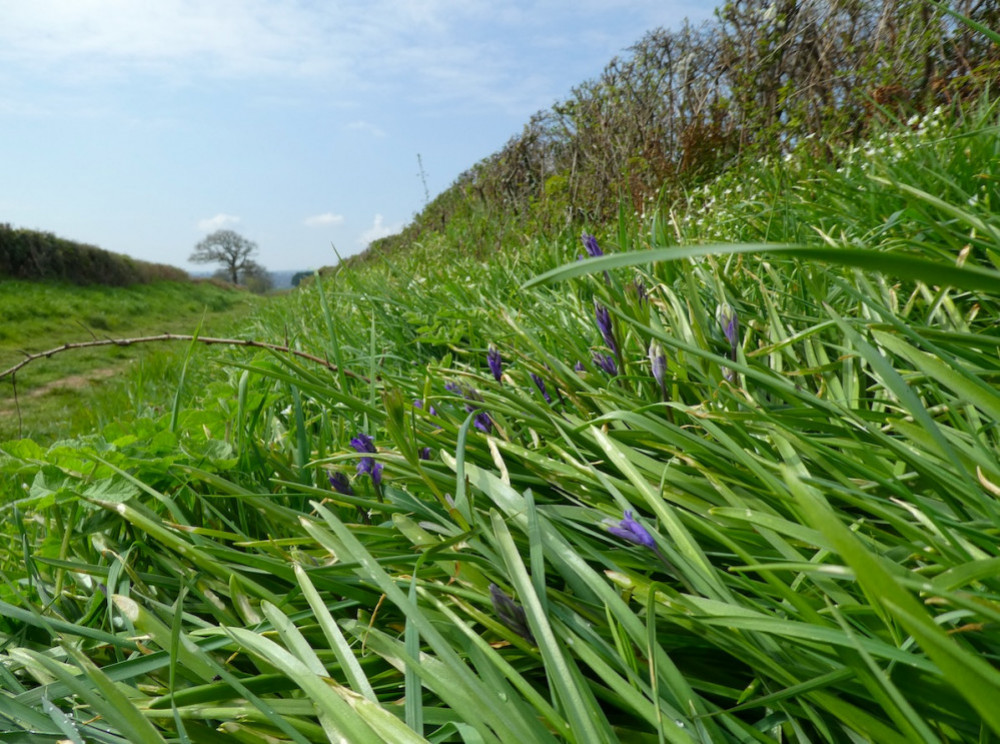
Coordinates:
[228,248]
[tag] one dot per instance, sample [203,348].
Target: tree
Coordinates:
[252,276]
[256,278]
[228,248]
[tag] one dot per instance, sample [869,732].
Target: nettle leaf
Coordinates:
[15,465]
[114,489]
[50,482]
[24,449]
[216,451]
[163,442]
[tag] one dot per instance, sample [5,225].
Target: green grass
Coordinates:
[814,497]
[72,392]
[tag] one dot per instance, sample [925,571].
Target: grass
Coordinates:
[71,393]
[789,535]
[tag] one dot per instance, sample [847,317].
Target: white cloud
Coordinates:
[218,222]
[227,37]
[431,52]
[378,230]
[364,126]
[321,220]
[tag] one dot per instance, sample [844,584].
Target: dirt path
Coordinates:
[72,382]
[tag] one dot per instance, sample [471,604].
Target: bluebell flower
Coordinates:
[495,361]
[658,364]
[591,246]
[483,422]
[420,404]
[606,362]
[510,613]
[341,484]
[425,453]
[579,366]
[631,531]
[604,325]
[363,444]
[540,384]
[640,291]
[731,329]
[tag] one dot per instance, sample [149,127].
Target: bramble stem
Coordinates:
[174,337]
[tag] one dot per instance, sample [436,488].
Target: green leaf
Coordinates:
[339,720]
[933,273]
[975,679]
[104,696]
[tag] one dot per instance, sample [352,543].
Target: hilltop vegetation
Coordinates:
[34,255]
[724,471]
[684,106]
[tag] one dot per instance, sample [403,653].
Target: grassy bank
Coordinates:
[703,488]
[72,392]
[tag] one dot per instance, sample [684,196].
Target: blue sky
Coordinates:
[142,125]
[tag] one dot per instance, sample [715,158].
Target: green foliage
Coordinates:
[684,106]
[814,489]
[28,254]
[736,480]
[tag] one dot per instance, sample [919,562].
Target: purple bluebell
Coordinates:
[579,366]
[604,325]
[591,246]
[510,613]
[495,361]
[631,531]
[341,484]
[453,387]
[425,453]
[420,404]
[540,384]
[470,393]
[731,329]
[658,364]
[640,291]
[363,444]
[606,362]
[483,422]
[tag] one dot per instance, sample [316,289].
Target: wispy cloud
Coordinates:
[430,52]
[180,40]
[378,230]
[217,222]
[325,219]
[364,126]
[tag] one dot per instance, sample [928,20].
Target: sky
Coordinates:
[141,126]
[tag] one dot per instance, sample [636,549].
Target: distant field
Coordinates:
[56,395]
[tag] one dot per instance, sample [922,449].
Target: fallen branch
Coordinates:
[29,358]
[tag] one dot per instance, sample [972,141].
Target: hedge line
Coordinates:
[30,254]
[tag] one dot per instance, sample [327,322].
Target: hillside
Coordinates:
[69,393]
[717,467]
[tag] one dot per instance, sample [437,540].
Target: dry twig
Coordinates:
[174,337]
